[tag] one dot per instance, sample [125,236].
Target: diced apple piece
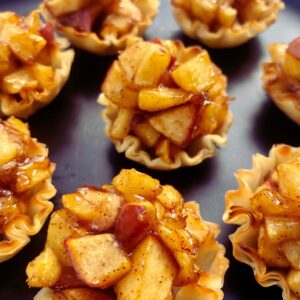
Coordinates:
[195,75]
[289,180]
[176,123]
[226,15]
[8,150]
[121,125]
[33,21]
[62,225]
[211,118]
[95,206]
[195,291]
[44,75]
[270,251]
[160,98]
[25,45]
[293,279]
[7,62]
[133,223]
[116,88]
[146,133]
[291,250]
[170,198]
[19,125]
[32,173]
[294,48]
[131,181]
[281,229]
[291,66]
[68,280]
[205,10]
[272,204]
[177,239]
[144,63]
[58,8]
[98,259]
[194,223]
[82,294]
[188,272]
[19,80]
[163,151]
[44,270]
[152,273]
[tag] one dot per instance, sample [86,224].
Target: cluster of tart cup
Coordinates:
[165,106]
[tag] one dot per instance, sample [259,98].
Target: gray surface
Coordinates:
[73,131]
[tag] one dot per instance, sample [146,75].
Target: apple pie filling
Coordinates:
[167,98]
[34,65]
[132,239]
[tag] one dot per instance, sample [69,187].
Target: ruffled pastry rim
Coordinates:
[132,147]
[90,41]
[225,37]
[19,230]
[238,212]
[286,100]
[214,272]
[62,59]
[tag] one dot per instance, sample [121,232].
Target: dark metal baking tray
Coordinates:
[73,131]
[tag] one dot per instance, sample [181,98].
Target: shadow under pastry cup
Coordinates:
[225,25]
[25,186]
[281,77]
[101,27]
[134,238]
[35,64]
[166,105]
[266,206]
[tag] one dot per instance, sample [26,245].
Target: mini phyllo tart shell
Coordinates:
[266,206]
[281,77]
[166,105]
[34,64]
[103,26]
[132,239]
[226,24]
[25,186]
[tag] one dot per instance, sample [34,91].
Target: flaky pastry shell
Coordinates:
[109,45]
[225,37]
[201,148]
[238,211]
[277,87]
[62,59]
[17,231]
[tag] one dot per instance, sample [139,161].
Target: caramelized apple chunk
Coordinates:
[34,64]
[25,186]
[164,98]
[150,250]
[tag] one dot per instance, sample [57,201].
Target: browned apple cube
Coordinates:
[98,259]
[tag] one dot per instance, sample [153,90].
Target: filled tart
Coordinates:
[132,239]
[281,77]
[225,23]
[100,26]
[166,104]
[25,186]
[266,206]
[34,64]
